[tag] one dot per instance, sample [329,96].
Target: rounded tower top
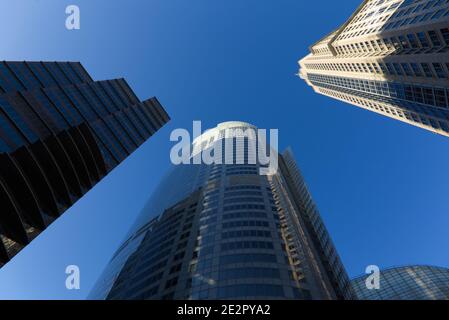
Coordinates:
[234,124]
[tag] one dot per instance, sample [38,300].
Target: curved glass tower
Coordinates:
[407,283]
[225,231]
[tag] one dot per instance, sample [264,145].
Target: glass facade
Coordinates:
[60,133]
[407,283]
[423,104]
[223,231]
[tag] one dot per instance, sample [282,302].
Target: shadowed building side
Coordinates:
[60,134]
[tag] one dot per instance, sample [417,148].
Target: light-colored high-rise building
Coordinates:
[224,231]
[390,57]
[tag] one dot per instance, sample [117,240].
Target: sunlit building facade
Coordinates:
[61,132]
[390,57]
[406,283]
[224,231]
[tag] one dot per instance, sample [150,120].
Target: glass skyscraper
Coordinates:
[60,133]
[224,231]
[390,57]
[407,283]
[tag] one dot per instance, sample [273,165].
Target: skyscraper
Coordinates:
[224,231]
[407,283]
[60,133]
[391,57]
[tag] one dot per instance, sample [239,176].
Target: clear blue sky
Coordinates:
[381,186]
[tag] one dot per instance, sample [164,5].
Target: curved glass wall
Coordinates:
[407,283]
[223,231]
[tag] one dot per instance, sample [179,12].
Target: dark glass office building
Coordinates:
[60,133]
[406,283]
[224,231]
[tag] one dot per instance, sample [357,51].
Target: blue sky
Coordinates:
[381,185]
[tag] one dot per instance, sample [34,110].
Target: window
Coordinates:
[427,70]
[407,69]
[171,283]
[428,96]
[390,68]
[438,14]
[412,39]
[434,38]
[440,98]
[179,256]
[404,42]
[423,40]
[445,33]
[175,268]
[441,73]
[416,70]
[417,91]
[397,68]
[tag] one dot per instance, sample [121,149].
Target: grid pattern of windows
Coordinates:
[382,16]
[224,238]
[407,283]
[65,132]
[407,101]
[410,69]
[435,97]
[402,44]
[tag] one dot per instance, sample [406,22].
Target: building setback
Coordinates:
[60,133]
[224,231]
[391,57]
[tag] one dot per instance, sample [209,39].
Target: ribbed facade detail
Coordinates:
[60,133]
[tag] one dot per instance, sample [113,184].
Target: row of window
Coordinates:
[437,97]
[245,258]
[382,19]
[244,207]
[243,200]
[246,234]
[17,76]
[428,70]
[245,223]
[244,214]
[243,187]
[379,106]
[243,193]
[403,44]
[246,245]
[58,113]
[248,273]
[238,173]
[419,18]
